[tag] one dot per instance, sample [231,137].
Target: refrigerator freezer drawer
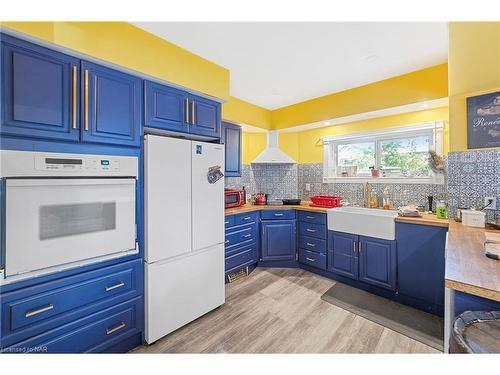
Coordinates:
[180,290]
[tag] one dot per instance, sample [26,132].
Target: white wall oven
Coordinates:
[65,210]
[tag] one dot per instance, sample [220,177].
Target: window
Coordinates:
[388,154]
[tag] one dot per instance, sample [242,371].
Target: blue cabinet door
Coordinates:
[204,117]
[166,107]
[342,254]
[278,240]
[377,262]
[421,262]
[39,89]
[231,137]
[112,106]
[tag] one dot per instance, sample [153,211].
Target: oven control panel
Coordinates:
[72,164]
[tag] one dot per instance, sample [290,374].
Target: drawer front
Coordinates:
[312,259]
[90,333]
[312,217]
[229,221]
[246,218]
[40,304]
[278,214]
[312,244]
[247,234]
[240,259]
[312,230]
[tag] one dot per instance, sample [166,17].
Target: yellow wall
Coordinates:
[124,44]
[425,84]
[253,145]
[239,111]
[474,69]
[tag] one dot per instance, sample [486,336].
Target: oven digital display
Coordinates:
[63,161]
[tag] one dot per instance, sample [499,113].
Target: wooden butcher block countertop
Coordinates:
[467,268]
[304,206]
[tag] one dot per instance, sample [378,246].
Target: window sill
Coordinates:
[439,180]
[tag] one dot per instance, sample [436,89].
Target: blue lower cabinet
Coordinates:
[377,262]
[312,244]
[91,334]
[278,240]
[421,263]
[312,259]
[241,258]
[33,311]
[342,254]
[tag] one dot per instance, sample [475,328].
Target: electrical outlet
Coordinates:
[308,187]
[493,205]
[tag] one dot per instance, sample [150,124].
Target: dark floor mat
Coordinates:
[416,324]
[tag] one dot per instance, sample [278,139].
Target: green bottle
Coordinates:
[441,211]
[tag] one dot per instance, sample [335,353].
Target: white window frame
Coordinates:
[330,143]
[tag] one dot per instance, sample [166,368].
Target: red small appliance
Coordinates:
[234,198]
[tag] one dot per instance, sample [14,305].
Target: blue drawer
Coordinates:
[312,244]
[312,217]
[246,218]
[312,259]
[277,214]
[90,334]
[229,221]
[244,257]
[312,230]
[30,311]
[246,234]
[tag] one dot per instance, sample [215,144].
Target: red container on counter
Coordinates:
[329,201]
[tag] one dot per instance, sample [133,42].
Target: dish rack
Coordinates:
[328,201]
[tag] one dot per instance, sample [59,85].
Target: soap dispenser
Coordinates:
[373,201]
[386,202]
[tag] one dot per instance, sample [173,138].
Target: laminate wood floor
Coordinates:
[279,310]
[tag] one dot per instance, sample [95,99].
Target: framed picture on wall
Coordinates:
[483,121]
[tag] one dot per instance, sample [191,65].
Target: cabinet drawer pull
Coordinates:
[311,259]
[110,331]
[311,244]
[73,105]
[38,311]
[278,214]
[311,230]
[187,110]
[247,218]
[226,241]
[86,114]
[119,285]
[247,235]
[309,217]
[226,222]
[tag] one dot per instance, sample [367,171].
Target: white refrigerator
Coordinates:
[184,232]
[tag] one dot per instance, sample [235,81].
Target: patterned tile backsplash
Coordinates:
[472,176]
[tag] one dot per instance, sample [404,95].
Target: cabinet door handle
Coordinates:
[116,286]
[193,116]
[73,104]
[247,235]
[278,214]
[110,331]
[354,247]
[186,110]
[311,259]
[359,247]
[86,115]
[247,218]
[311,230]
[309,217]
[311,244]
[39,311]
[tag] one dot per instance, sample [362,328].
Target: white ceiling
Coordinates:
[276,64]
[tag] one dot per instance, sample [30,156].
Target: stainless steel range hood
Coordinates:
[272,154]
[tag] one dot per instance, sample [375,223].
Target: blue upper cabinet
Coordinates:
[377,262]
[278,240]
[205,117]
[111,103]
[231,137]
[166,107]
[39,91]
[342,254]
